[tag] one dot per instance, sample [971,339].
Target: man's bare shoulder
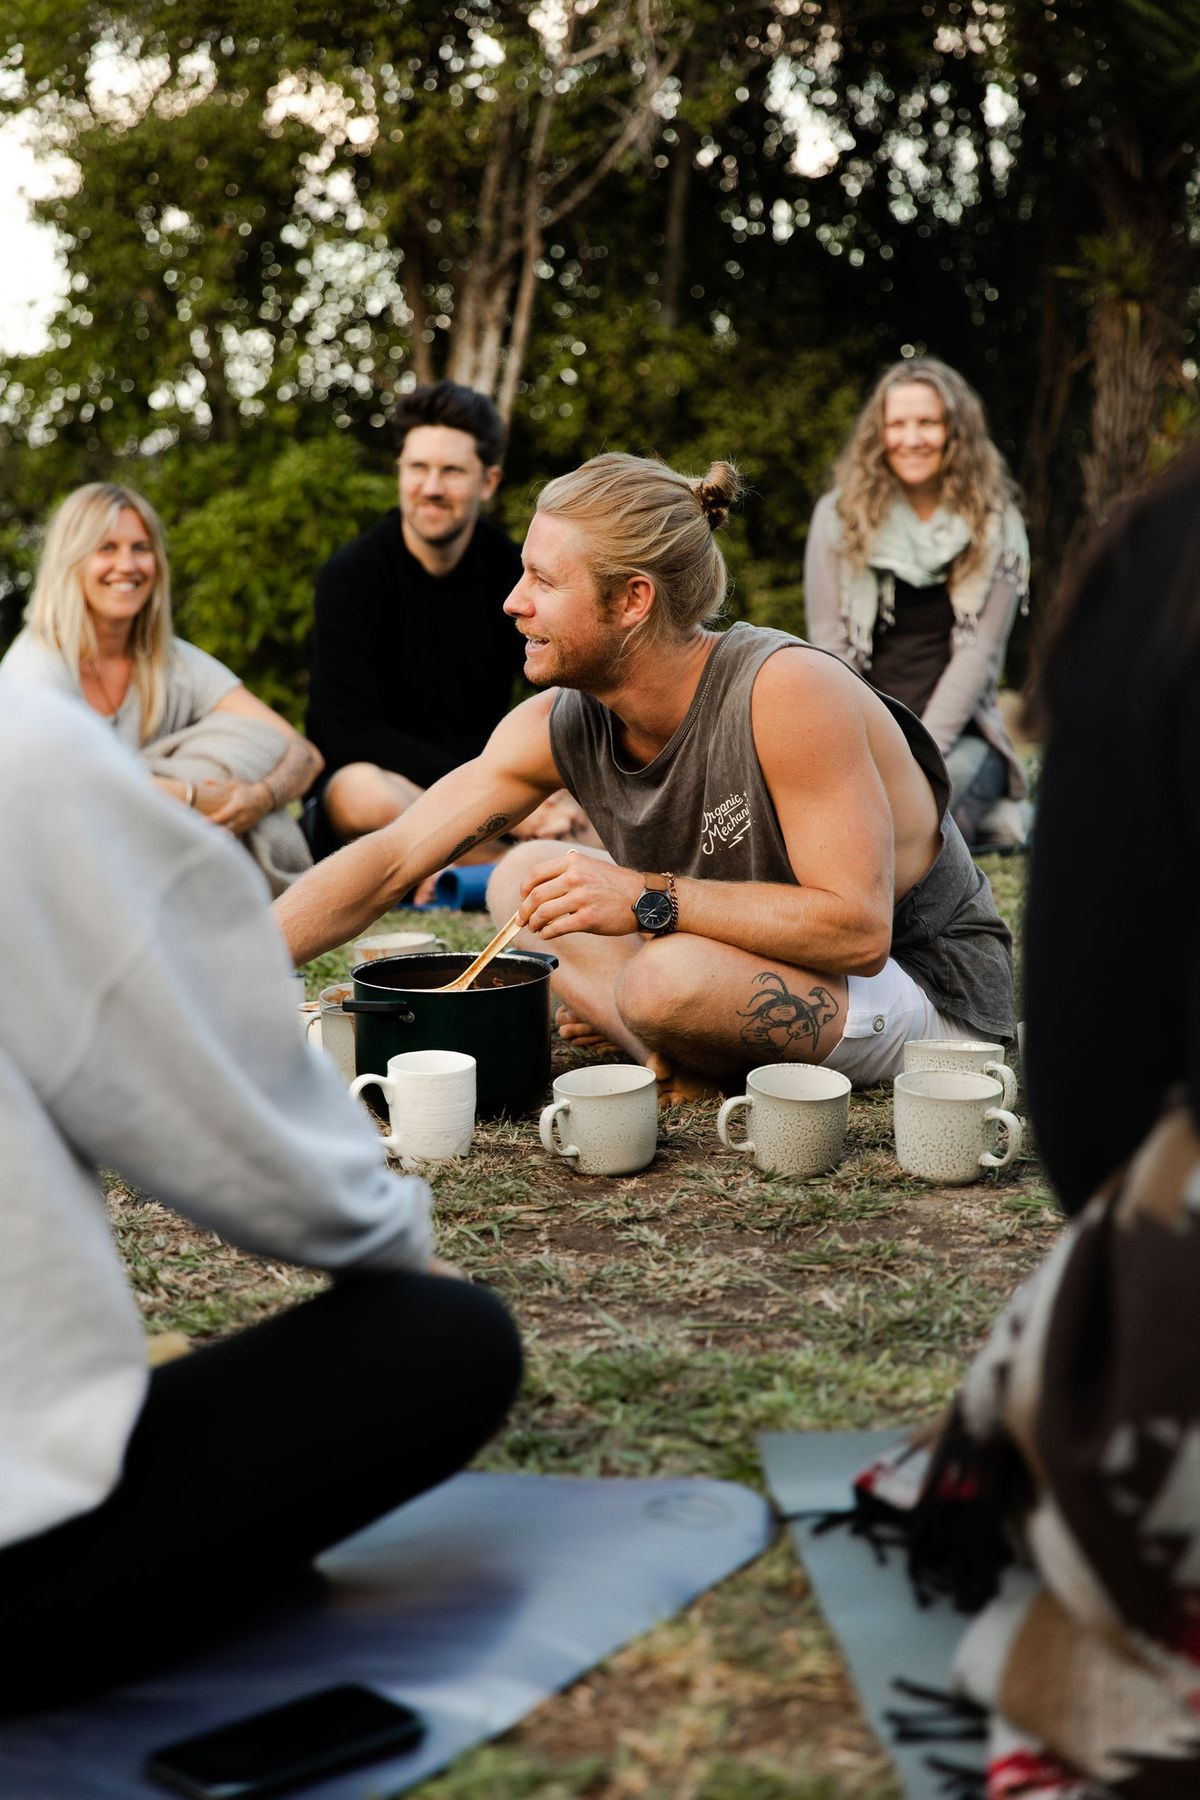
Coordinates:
[522,738]
[799,675]
[529,718]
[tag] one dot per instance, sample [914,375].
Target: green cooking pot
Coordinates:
[503,1021]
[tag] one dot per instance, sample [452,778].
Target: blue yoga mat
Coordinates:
[865,1593]
[464,887]
[471,1604]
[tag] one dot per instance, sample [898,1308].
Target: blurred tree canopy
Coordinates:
[695,227]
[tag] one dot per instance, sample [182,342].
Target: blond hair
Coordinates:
[974,480]
[643,518]
[57,613]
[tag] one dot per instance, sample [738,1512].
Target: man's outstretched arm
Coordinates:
[348,891]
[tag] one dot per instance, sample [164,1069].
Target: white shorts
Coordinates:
[883,1013]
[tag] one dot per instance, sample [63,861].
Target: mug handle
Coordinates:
[1014,1134]
[723,1117]
[308,1025]
[391,1143]
[1007,1080]
[362,1081]
[546,1129]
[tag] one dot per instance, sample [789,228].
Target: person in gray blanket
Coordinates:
[149,1029]
[98,626]
[780,879]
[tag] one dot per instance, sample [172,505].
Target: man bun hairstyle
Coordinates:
[642,518]
[717,492]
[459,408]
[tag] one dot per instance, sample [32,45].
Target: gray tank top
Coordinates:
[702,808]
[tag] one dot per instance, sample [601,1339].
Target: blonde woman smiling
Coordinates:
[916,563]
[99,625]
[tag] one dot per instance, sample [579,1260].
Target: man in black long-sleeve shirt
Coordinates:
[413,657]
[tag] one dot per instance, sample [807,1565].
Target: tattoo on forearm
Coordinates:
[488,829]
[785,1020]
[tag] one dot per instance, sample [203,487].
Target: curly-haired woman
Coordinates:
[917,561]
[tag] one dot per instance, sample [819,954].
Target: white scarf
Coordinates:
[919,552]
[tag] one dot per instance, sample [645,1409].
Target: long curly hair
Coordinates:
[974,477]
[57,613]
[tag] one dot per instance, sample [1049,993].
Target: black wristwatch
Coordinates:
[657,909]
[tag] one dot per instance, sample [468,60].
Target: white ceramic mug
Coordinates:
[798,1116]
[332,1029]
[394,943]
[604,1119]
[968,1053]
[431,1103]
[946,1122]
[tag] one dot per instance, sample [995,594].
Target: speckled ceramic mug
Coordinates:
[971,1054]
[797,1118]
[604,1119]
[947,1121]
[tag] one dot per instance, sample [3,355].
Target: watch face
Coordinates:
[653,911]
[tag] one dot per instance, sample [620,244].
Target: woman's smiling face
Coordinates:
[118,576]
[914,434]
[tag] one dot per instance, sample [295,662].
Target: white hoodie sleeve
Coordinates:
[152,1009]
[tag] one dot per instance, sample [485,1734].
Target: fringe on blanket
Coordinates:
[1062,1502]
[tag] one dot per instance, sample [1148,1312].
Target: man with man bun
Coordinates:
[780,879]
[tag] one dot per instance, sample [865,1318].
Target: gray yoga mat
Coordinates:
[471,1604]
[868,1604]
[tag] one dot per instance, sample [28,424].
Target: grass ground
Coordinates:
[668,1318]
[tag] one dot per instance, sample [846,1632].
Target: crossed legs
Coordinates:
[699,1012]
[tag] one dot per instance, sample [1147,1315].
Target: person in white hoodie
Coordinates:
[148,1028]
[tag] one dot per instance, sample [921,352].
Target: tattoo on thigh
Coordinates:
[782,1019]
[488,829]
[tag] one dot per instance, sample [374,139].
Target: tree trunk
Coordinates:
[1134,331]
[675,236]
[679,186]
[522,324]
[1131,368]
[412,277]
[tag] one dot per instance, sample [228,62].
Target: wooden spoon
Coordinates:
[501,941]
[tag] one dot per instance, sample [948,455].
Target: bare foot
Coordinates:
[676,1086]
[576,1031]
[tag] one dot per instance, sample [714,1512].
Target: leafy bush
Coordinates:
[245,553]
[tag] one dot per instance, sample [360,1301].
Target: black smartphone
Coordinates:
[270,1752]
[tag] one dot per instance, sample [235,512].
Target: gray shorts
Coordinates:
[883,1013]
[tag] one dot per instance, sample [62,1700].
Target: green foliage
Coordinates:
[694,396]
[292,209]
[246,545]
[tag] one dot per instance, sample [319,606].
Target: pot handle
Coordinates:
[551,962]
[391,1009]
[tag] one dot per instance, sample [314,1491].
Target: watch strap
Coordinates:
[663,884]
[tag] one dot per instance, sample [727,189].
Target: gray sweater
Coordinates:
[149,1027]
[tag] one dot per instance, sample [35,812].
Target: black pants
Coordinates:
[249,1458]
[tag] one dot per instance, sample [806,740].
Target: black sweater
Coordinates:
[410,670]
[1112,938]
